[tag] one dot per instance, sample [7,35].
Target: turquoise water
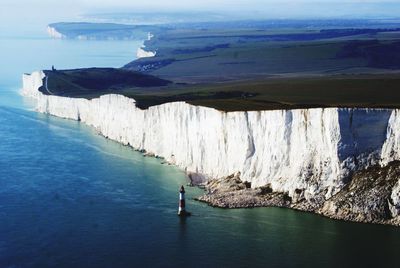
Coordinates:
[71,198]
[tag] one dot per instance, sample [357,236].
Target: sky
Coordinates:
[280,8]
[42,12]
[269,8]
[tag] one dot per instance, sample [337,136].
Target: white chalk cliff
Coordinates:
[54,33]
[141,53]
[312,150]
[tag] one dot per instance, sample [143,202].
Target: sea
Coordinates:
[71,198]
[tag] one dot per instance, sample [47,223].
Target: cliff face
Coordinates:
[54,33]
[141,53]
[309,154]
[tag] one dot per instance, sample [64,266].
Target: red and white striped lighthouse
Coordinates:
[181,210]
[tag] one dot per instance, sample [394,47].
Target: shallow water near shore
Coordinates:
[69,197]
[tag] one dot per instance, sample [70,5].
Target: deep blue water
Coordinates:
[71,198]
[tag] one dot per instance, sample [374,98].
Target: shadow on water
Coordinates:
[182,224]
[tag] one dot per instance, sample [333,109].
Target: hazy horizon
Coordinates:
[21,13]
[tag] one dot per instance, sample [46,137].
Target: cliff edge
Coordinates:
[332,161]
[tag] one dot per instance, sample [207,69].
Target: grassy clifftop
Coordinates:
[375,91]
[203,55]
[93,82]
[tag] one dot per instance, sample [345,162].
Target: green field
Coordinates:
[197,56]
[251,68]
[378,91]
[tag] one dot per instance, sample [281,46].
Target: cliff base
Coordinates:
[369,196]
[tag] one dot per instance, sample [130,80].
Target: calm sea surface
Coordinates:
[71,198]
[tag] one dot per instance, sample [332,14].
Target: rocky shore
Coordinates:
[231,192]
[369,196]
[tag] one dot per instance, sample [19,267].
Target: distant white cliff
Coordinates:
[141,53]
[54,33]
[307,151]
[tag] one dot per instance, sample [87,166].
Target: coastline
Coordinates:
[116,117]
[54,33]
[142,53]
[346,205]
